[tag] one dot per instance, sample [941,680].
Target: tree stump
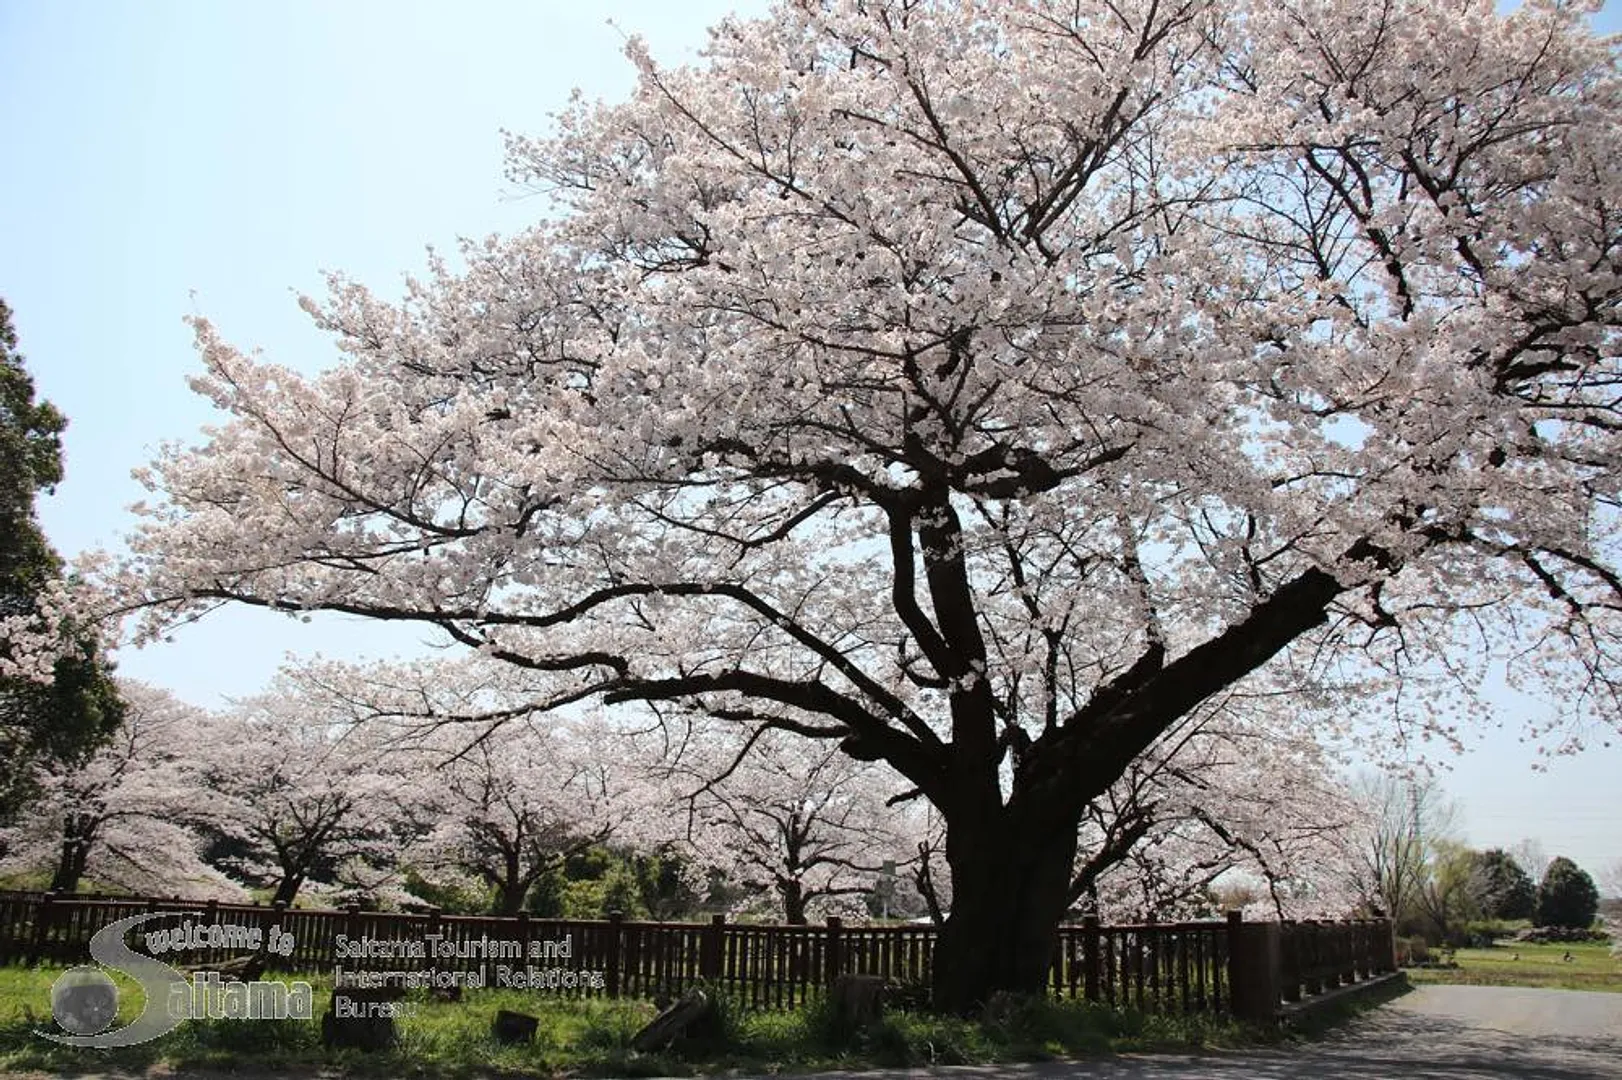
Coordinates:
[513,1027]
[238,969]
[361,1019]
[857,1000]
[662,1030]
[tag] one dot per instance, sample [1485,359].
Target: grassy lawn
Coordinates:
[1591,967]
[591,1037]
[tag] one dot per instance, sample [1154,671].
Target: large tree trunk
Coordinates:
[793,895]
[1010,889]
[70,867]
[512,885]
[287,888]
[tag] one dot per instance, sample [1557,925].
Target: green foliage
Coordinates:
[73,713]
[545,900]
[451,899]
[664,886]
[600,879]
[1567,896]
[1483,932]
[1027,1020]
[30,431]
[1500,888]
[717,1031]
[597,898]
[1445,895]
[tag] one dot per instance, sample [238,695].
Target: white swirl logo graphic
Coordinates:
[84,1000]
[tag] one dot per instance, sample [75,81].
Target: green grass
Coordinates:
[1591,967]
[591,1038]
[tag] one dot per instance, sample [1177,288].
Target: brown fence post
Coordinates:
[709,951]
[1253,969]
[351,928]
[272,919]
[1312,949]
[832,955]
[615,921]
[1290,960]
[211,917]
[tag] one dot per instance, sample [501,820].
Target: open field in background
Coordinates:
[1591,967]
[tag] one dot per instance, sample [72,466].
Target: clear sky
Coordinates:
[165,157]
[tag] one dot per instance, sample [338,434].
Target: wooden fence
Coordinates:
[1231,966]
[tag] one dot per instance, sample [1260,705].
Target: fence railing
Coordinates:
[1247,969]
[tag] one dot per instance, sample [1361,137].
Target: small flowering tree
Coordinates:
[982,387]
[117,818]
[500,800]
[802,828]
[1237,797]
[304,800]
[511,806]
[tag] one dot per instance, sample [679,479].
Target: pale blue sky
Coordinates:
[165,157]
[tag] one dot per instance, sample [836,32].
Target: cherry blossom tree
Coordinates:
[1611,880]
[510,807]
[306,800]
[1234,797]
[802,827]
[117,818]
[980,388]
[509,799]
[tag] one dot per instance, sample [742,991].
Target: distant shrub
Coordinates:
[1567,896]
[1544,935]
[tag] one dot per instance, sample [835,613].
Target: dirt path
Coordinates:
[1434,1033]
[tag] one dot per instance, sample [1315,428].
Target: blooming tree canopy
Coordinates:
[508,799]
[117,818]
[805,829]
[980,387]
[1232,796]
[509,807]
[304,800]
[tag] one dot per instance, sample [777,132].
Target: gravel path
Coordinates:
[1433,1033]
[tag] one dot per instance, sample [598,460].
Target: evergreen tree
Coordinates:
[1501,888]
[1567,896]
[69,715]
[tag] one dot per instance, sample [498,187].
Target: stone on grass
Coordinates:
[695,1009]
[514,1027]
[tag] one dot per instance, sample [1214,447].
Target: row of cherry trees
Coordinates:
[342,782]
